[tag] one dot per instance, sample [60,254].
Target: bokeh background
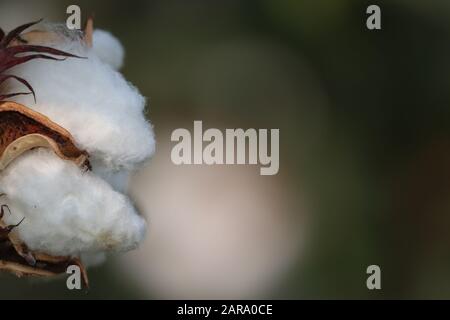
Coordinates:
[364,119]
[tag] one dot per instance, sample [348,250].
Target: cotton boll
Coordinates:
[66,211]
[108,48]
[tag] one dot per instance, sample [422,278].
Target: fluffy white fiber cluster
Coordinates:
[67,211]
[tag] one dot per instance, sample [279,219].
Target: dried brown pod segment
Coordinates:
[15,258]
[22,129]
[42,269]
[88,37]
[36,37]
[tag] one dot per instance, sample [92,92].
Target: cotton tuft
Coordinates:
[67,211]
[108,48]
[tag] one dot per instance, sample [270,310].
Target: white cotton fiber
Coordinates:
[67,211]
[108,48]
[93,102]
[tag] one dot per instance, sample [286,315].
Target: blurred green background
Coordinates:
[364,118]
